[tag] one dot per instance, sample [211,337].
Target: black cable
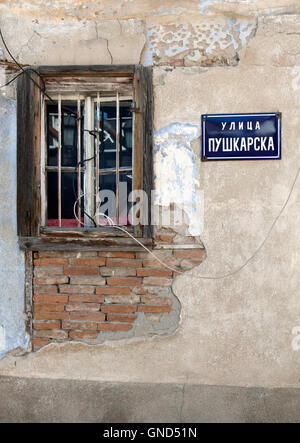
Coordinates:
[43,90]
[25,71]
[92,132]
[21,67]
[17,76]
[79,198]
[12,80]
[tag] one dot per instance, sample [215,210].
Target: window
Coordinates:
[88,146]
[82,149]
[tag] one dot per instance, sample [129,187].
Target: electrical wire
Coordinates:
[81,163]
[204,277]
[21,67]
[12,80]
[112,225]
[25,71]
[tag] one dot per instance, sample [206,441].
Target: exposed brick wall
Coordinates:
[83,296]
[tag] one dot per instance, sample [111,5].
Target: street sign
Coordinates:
[241,137]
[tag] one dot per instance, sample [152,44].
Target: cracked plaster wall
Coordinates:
[12,319]
[247,60]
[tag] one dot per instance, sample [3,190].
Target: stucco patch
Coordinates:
[214,41]
[176,172]
[12,325]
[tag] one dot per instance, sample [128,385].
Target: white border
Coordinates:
[242,158]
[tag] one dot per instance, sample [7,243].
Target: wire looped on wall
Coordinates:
[111,222]
[201,277]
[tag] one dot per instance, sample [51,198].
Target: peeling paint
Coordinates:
[195,43]
[176,172]
[12,323]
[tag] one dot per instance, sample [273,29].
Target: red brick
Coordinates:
[118,272]
[58,280]
[87,298]
[114,327]
[148,272]
[92,316]
[83,335]
[51,262]
[59,335]
[164,238]
[125,299]
[77,289]
[97,261]
[46,271]
[152,263]
[50,298]
[162,255]
[157,281]
[152,300]
[140,291]
[82,326]
[81,270]
[47,289]
[83,307]
[51,316]
[113,291]
[95,280]
[118,308]
[39,343]
[47,326]
[190,253]
[175,274]
[82,254]
[50,254]
[154,309]
[120,263]
[56,307]
[115,254]
[156,290]
[121,318]
[115,281]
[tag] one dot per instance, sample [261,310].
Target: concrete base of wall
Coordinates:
[50,401]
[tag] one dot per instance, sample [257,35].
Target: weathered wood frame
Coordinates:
[32,236]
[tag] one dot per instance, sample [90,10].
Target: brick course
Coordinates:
[77,296]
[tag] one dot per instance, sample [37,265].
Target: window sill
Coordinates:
[97,233]
[76,243]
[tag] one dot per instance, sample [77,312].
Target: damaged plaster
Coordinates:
[190,41]
[204,42]
[176,172]
[12,325]
[242,321]
[150,325]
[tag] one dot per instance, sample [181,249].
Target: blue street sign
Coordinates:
[241,137]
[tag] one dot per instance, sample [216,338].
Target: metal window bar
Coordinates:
[59,159]
[43,162]
[79,161]
[89,168]
[98,159]
[118,158]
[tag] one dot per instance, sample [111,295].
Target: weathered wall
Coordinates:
[12,320]
[224,57]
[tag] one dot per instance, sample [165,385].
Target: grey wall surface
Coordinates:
[233,331]
[74,401]
[12,326]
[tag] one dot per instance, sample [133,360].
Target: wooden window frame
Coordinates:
[30,119]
